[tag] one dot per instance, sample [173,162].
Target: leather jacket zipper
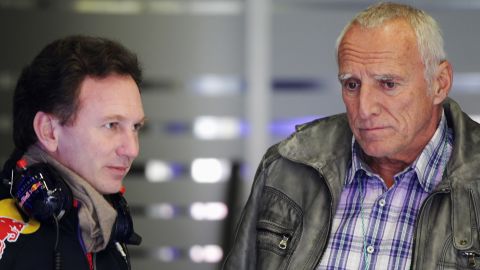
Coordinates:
[283,243]
[471,258]
[283,235]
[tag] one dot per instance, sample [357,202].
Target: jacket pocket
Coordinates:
[278,229]
[274,238]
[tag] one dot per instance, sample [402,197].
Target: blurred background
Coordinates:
[224,79]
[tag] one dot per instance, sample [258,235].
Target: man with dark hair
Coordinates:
[390,184]
[77,112]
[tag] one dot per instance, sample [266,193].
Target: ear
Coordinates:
[442,82]
[45,126]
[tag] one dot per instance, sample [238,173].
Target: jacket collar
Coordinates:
[323,144]
[465,160]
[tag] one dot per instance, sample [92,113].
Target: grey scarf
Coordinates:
[96,216]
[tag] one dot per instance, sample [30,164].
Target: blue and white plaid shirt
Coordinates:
[378,233]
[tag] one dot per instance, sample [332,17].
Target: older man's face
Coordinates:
[385,92]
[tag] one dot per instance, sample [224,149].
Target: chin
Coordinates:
[110,189]
[376,151]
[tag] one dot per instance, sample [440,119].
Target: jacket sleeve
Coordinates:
[244,251]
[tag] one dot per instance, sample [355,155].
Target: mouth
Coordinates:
[366,129]
[373,132]
[119,170]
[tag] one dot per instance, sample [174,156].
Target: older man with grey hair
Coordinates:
[391,183]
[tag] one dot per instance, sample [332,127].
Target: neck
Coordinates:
[387,169]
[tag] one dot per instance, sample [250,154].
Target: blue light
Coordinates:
[285,127]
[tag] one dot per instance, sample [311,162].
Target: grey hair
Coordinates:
[428,33]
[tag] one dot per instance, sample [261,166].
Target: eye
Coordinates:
[389,85]
[137,127]
[351,85]
[111,125]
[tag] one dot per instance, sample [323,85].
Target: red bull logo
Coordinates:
[12,225]
[9,231]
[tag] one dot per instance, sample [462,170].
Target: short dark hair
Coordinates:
[51,83]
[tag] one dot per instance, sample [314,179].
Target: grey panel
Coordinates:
[145,193]
[181,148]
[287,105]
[167,232]
[181,106]
[177,45]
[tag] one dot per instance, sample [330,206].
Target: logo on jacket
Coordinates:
[9,231]
[12,225]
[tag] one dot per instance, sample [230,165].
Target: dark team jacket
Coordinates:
[26,244]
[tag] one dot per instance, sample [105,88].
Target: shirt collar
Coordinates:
[426,164]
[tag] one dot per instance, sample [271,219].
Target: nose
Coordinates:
[368,102]
[129,145]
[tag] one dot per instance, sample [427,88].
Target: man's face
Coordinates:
[385,92]
[102,141]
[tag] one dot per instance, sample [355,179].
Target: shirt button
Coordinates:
[370,249]
[381,202]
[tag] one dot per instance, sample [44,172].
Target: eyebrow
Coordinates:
[383,77]
[387,77]
[345,76]
[117,117]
